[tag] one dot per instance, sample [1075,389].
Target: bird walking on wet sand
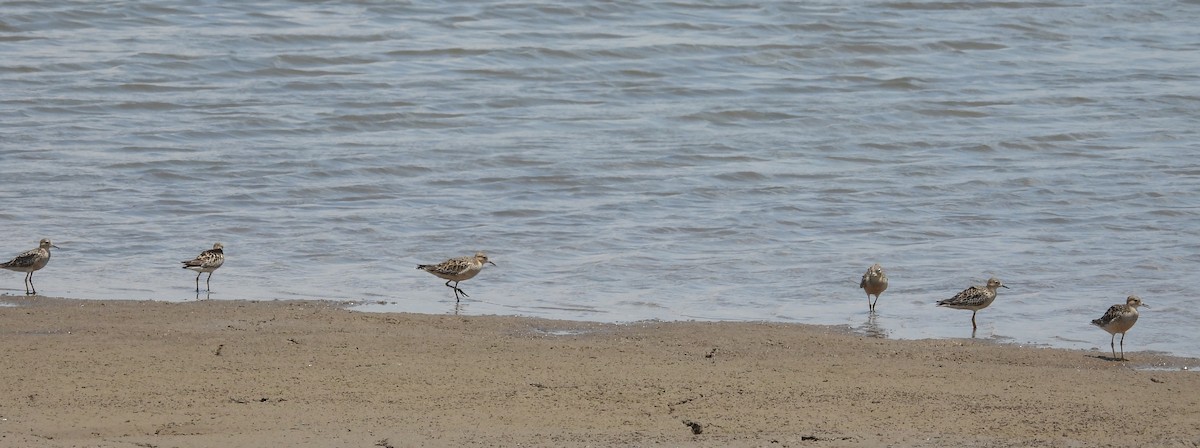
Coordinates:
[1119,319]
[208,261]
[874,281]
[29,261]
[457,269]
[974,298]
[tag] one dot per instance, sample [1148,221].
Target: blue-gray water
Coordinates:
[619,161]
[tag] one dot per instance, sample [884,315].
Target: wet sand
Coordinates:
[312,374]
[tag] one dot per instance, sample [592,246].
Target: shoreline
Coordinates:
[313,373]
[864,329]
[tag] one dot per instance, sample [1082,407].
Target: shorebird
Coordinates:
[29,261]
[974,298]
[208,261]
[457,269]
[1119,319]
[874,281]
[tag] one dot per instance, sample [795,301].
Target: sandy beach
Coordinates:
[313,374]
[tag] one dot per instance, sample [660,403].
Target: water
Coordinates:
[619,161]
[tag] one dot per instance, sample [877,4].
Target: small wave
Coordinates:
[738,117]
[936,6]
[952,113]
[971,45]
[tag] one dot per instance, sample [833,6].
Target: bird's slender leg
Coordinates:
[870,306]
[208,283]
[1122,346]
[1113,345]
[456,290]
[198,281]
[973,326]
[30,287]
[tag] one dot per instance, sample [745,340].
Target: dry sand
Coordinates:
[311,374]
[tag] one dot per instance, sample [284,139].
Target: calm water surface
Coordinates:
[619,161]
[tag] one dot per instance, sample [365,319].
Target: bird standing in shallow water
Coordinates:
[208,261]
[874,281]
[1119,319]
[29,261]
[457,269]
[974,298]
